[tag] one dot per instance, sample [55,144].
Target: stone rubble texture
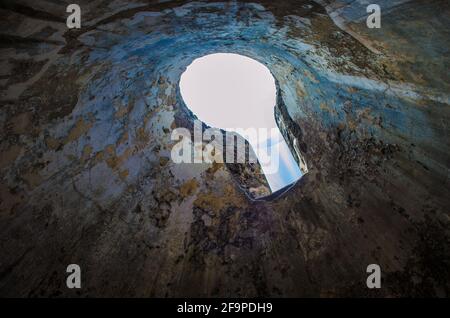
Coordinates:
[86,176]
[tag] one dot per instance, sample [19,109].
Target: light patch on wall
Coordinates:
[231,91]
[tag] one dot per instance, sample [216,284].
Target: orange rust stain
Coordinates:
[189,188]
[80,128]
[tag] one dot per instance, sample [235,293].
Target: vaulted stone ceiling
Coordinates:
[86,177]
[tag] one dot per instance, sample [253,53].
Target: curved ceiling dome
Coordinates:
[86,123]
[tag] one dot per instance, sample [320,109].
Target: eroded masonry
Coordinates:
[86,175]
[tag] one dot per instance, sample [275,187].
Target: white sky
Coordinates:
[231,91]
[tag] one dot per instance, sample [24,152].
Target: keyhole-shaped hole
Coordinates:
[232,92]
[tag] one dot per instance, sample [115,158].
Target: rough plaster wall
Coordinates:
[86,174]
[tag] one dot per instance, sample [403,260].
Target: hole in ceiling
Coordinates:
[232,92]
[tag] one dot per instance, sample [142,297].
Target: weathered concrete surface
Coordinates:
[86,175]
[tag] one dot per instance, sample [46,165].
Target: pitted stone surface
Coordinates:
[86,175]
